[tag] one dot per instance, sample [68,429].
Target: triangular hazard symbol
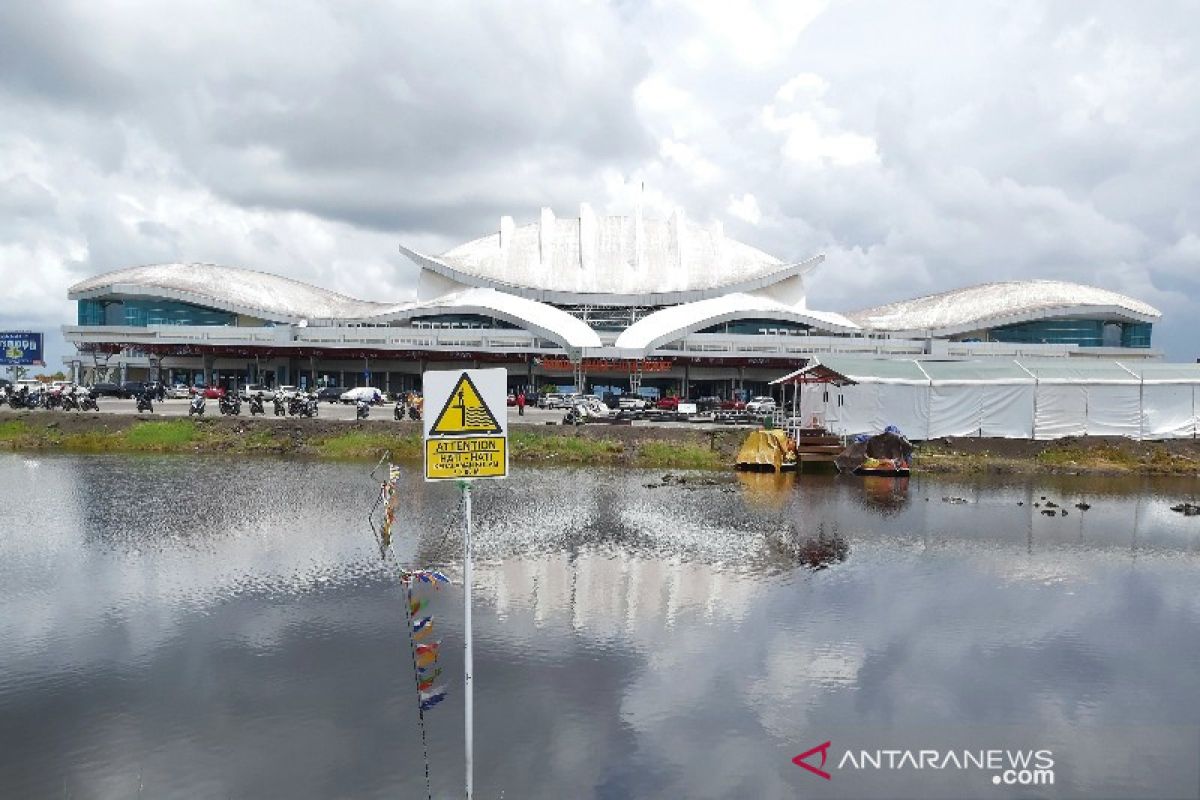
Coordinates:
[465,413]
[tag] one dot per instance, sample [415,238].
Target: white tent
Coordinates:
[1025,398]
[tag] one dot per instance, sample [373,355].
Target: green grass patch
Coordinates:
[1102,455]
[166,435]
[563,447]
[361,444]
[13,430]
[679,454]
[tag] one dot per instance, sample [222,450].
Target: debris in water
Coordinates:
[955,500]
[1187,509]
[1049,512]
[1083,506]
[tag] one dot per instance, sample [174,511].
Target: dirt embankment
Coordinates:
[1098,455]
[648,446]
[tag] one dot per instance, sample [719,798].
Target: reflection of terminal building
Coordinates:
[612,301]
[604,595]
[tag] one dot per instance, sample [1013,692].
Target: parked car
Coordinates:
[105,390]
[368,393]
[733,404]
[259,390]
[668,404]
[179,391]
[632,402]
[761,405]
[330,394]
[708,403]
[554,400]
[133,389]
[287,392]
[213,392]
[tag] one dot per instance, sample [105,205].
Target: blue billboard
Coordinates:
[21,348]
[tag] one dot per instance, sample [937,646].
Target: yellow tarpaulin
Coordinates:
[766,448]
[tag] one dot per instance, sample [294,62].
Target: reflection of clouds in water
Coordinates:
[647,635]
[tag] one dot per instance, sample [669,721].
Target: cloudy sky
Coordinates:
[920,146]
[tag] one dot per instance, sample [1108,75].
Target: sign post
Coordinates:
[466,438]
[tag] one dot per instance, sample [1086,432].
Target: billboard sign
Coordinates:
[21,348]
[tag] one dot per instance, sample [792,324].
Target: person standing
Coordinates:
[521,404]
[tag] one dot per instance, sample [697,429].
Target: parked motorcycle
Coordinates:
[197,405]
[280,408]
[70,402]
[414,413]
[230,404]
[256,405]
[144,403]
[398,411]
[88,402]
[362,409]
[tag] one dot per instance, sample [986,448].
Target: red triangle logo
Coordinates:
[823,749]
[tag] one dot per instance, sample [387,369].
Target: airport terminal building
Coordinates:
[589,301]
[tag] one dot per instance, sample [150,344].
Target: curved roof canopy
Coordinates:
[670,323]
[538,318]
[990,305]
[610,259]
[239,291]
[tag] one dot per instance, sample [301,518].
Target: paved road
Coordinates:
[338,411]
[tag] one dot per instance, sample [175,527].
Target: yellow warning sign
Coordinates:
[465,413]
[477,457]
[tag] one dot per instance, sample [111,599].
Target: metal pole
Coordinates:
[468,654]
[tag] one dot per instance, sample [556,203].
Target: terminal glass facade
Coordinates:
[1082,332]
[150,311]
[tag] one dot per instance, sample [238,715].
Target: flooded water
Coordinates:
[198,628]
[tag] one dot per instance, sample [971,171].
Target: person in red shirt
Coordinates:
[520,404]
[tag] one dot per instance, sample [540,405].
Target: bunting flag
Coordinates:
[426,681]
[432,699]
[428,629]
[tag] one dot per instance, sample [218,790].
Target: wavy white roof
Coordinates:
[539,318]
[670,323]
[610,259]
[993,304]
[233,289]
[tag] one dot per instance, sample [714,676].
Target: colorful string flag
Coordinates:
[432,697]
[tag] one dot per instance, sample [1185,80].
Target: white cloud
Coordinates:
[745,208]
[920,147]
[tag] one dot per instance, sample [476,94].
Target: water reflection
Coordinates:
[213,628]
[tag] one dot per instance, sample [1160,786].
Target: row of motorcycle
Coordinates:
[296,405]
[65,400]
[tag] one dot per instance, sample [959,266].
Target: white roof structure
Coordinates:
[611,260]
[993,304]
[233,289]
[539,318]
[673,322]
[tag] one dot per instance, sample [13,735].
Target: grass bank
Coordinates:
[1069,456]
[678,448]
[111,433]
